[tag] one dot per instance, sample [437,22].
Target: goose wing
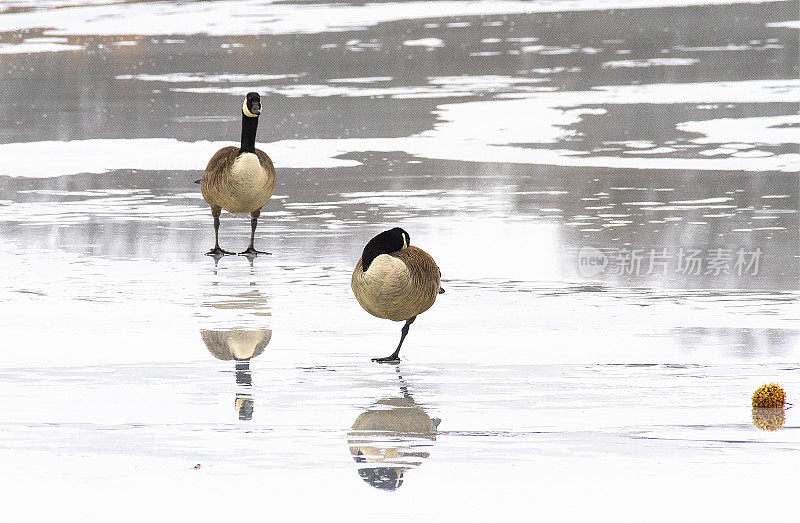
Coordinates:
[266,162]
[424,274]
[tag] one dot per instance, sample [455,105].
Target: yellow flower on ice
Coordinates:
[769,396]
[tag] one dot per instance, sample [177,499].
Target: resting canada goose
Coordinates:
[239,179]
[396,281]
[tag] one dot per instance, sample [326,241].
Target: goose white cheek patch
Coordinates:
[246,110]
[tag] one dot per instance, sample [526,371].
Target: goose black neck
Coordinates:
[249,125]
[386,242]
[371,252]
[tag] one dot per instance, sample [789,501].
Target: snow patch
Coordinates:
[425,42]
[650,62]
[255,17]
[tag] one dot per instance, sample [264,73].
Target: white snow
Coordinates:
[759,129]
[205,78]
[792,24]
[425,42]
[440,87]
[242,17]
[39,45]
[361,80]
[650,62]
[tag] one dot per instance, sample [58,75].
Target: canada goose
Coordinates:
[396,281]
[239,179]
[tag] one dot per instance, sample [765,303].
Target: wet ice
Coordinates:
[505,139]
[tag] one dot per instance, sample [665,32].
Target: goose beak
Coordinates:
[441,290]
[256,110]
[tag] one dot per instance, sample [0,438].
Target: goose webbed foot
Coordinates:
[394,358]
[218,251]
[251,251]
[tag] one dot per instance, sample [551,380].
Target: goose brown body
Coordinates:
[397,286]
[238,182]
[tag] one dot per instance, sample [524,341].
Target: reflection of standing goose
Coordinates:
[391,437]
[396,281]
[241,346]
[244,406]
[236,344]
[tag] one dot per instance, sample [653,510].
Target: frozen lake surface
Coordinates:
[512,140]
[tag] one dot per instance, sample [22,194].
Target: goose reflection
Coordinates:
[252,300]
[240,346]
[391,437]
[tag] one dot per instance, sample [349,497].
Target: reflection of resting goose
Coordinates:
[396,281]
[390,435]
[399,415]
[241,346]
[252,300]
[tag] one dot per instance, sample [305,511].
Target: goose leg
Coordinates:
[217,251]
[395,356]
[253,223]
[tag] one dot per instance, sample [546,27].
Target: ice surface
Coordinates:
[39,45]
[650,62]
[530,390]
[425,42]
[772,130]
[242,17]
[205,78]
[474,131]
[792,24]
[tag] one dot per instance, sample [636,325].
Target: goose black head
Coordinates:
[252,105]
[386,242]
[244,407]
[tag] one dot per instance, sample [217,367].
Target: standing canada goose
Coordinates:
[396,281]
[240,179]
